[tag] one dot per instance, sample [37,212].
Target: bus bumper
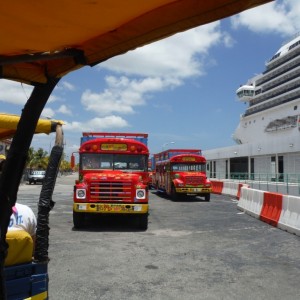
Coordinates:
[113,208]
[193,190]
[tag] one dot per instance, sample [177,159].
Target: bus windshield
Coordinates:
[188,167]
[124,162]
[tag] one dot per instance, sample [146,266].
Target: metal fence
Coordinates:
[279,183]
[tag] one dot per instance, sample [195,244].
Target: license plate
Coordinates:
[81,207]
[113,208]
[137,208]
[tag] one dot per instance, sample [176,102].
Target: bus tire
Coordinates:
[142,221]
[174,195]
[78,219]
[207,197]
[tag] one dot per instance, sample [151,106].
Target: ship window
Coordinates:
[254,121]
[258,92]
[263,118]
[295,107]
[249,122]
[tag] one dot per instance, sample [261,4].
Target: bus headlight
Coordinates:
[140,194]
[80,194]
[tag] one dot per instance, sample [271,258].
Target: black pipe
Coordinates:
[15,163]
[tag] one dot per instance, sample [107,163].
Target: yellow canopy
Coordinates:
[9,123]
[49,38]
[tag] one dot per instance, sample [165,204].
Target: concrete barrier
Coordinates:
[233,188]
[251,201]
[282,211]
[228,187]
[217,186]
[271,209]
[289,219]
[238,195]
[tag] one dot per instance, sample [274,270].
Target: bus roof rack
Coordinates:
[115,134]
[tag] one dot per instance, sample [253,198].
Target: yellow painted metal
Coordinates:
[193,190]
[9,123]
[41,296]
[114,208]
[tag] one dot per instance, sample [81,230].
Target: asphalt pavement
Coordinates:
[192,250]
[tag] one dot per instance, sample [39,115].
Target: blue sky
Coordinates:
[179,90]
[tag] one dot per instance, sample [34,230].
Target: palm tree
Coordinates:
[37,159]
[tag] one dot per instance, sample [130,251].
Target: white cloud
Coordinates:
[47,113]
[97,124]
[178,56]
[159,66]
[68,86]
[63,109]
[122,94]
[53,98]
[14,92]
[17,93]
[276,17]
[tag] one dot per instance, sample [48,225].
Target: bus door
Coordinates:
[163,176]
[168,178]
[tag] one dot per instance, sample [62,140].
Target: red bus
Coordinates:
[113,176]
[181,172]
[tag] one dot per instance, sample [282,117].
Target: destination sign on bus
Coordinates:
[188,158]
[114,147]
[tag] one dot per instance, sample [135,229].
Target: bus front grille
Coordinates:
[110,191]
[195,180]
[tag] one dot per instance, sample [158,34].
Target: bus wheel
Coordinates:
[78,219]
[142,221]
[207,197]
[174,195]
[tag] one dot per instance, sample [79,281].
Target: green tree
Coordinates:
[37,159]
[30,156]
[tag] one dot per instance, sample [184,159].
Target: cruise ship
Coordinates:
[268,135]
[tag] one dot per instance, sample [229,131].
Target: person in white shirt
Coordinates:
[21,235]
[23,218]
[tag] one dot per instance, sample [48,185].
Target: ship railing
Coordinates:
[284,183]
